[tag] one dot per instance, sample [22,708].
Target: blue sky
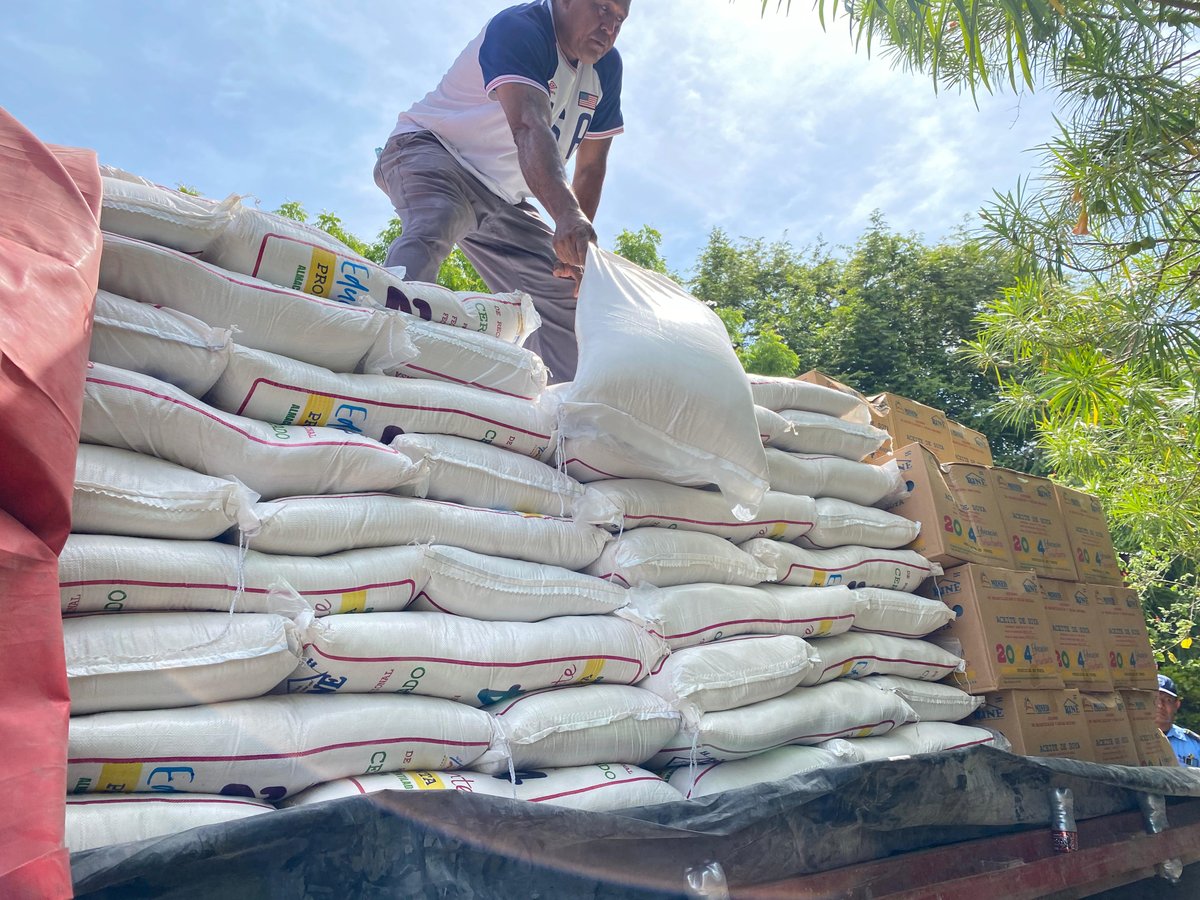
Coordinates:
[758,126]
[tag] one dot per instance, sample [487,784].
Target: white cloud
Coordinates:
[758,125]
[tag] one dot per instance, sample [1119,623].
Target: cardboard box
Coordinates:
[1131,662]
[958,511]
[1080,637]
[968,445]
[1153,748]
[1038,723]
[1036,528]
[909,422]
[1087,532]
[1108,726]
[812,376]
[1001,629]
[975,490]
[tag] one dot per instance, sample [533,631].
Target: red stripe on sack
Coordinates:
[372,494]
[864,562]
[354,781]
[474,384]
[610,576]
[757,621]
[261,756]
[801,737]
[232,427]
[232,587]
[595,787]
[385,405]
[754,524]
[576,459]
[471,662]
[912,662]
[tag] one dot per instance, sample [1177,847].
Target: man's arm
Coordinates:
[528,112]
[591,163]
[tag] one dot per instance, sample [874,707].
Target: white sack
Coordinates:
[806,715]
[135,412]
[689,614]
[732,672]
[102,573]
[777,394]
[602,788]
[841,523]
[492,588]
[666,556]
[588,460]
[922,737]
[932,701]
[162,216]
[284,391]
[319,525]
[472,473]
[578,726]
[818,433]
[629,503]
[474,663]
[817,475]
[658,383]
[127,493]
[854,655]
[897,570]
[458,356]
[900,614]
[773,765]
[264,316]
[770,425]
[159,342]
[305,259]
[270,747]
[100,821]
[164,660]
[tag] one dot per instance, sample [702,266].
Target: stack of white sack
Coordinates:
[195,590]
[756,600]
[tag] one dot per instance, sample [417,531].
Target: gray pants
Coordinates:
[441,204]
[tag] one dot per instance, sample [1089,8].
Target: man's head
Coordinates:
[1168,703]
[587,29]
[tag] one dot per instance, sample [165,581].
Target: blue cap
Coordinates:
[1167,686]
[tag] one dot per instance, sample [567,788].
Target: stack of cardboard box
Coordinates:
[909,422]
[1051,637]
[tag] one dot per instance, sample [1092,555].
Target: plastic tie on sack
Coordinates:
[241,506]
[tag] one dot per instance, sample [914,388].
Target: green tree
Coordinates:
[1097,346]
[777,289]
[643,247]
[889,316]
[904,309]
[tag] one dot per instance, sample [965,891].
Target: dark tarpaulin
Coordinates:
[446,844]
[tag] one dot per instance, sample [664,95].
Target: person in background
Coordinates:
[539,85]
[1185,743]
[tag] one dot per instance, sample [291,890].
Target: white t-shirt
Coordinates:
[517,45]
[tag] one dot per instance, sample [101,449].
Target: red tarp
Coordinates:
[49,263]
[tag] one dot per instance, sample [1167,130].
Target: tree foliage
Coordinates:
[1096,346]
[889,315]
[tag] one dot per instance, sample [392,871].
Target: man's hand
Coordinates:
[572,234]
